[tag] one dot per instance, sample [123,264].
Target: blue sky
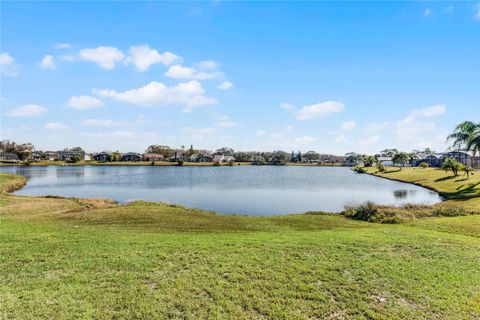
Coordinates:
[326,76]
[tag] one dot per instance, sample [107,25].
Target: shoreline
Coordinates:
[157,164]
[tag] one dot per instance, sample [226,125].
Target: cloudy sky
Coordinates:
[330,77]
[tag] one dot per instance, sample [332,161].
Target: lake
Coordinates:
[252,190]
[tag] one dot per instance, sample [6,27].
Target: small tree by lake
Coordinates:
[451,164]
[467,171]
[400,158]
[423,165]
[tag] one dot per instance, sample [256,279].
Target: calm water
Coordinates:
[253,190]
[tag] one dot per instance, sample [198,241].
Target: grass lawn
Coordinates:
[458,190]
[93,259]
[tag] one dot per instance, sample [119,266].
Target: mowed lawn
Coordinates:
[91,259]
[459,190]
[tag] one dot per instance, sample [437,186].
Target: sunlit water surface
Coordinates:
[252,190]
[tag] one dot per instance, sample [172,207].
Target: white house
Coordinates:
[386,161]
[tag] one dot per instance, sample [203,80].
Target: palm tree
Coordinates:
[467,135]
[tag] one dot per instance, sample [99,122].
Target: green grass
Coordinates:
[93,259]
[458,190]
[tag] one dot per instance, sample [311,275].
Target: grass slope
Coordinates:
[456,189]
[93,259]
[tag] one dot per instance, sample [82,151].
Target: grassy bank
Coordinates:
[457,190]
[93,259]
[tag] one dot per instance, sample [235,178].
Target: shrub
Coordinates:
[380,167]
[216,163]
[180,162]
[231,163]
[365,211]
[423,165]
[359,169]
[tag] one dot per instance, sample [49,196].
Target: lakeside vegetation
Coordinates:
[64,258]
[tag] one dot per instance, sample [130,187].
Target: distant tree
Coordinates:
[466,135]
[311,156]
[369,161]
[241,156]
[380,167]
[279,157]
[116,156]
[400,158]
[74,159]
[225,151]
[389,152]
[166,151]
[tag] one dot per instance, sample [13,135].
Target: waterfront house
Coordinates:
[386,161]
[70,155]
[464,157]
[51,155]
[102,156]
[131,156]
[8,156]
[153,157]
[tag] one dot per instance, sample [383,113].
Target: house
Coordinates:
[70,155]
[432,159]
[87,157]
[8,156]
[196,157]
[131,156]
[153,157]
[222,158]
[102,156]
[386,161]
[218,158]
[36,156]
[464,157]
[52,155]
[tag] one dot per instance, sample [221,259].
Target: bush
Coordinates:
[359,169]
[180,162]
[423,165]
[380,167]
[365,211]
[231,163]
[216,163]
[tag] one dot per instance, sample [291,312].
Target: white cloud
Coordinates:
[142,57]
[84,102]
[319,110]
[430,111]
[27,110]
[226,85]
[369,141]
[427,12]
[207,65]
[63,45]
[349,125]
[287,106]
[48,62]
[105,57]
[180,72]
[224,122]
[477,12]
[302,141]
[376,127]
[103,123]
[7,65]
[416,131]
[56,126]
[110,135]
[189,94]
